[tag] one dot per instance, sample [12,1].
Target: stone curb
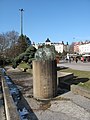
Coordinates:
[62,76]
[80,90]
[10,108]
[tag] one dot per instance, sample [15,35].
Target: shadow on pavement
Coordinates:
[65,86]
[61,68]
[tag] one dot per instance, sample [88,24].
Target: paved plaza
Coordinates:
[67,106]
[77,66]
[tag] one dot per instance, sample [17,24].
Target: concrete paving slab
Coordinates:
[62,110]
[50,115]
[78,99]
[77,66]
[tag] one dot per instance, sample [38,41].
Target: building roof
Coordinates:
[47,40]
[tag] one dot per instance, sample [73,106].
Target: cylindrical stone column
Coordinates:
[44,79]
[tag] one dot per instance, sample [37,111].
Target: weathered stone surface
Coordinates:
[80,90]
[45,53]
[63,76]
[44,79]
[10,108]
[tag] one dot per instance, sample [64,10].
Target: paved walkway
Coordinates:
[77,66]
[66,107]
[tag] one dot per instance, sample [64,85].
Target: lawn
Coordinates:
[82,78]
[23,65]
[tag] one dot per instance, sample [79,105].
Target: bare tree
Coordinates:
[3,43]
[8,39]
[12,37]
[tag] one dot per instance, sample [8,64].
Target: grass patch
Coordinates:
[78,73]
[82,77]
[86,84]
[23,65]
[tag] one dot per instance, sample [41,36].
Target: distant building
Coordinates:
[84,48]
[59,47]
[76,47]
[47,42]
[79,47]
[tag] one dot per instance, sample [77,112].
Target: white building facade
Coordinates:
[59,47]
[84,48]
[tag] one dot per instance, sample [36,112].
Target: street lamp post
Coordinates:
[21,12]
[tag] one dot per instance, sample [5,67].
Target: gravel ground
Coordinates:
[64,107]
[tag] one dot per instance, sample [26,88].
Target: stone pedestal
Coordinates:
[44,79]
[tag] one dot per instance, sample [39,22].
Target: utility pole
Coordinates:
[21,13]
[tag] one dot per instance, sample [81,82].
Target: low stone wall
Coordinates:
[10,107]
[62,76]
[80,90]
